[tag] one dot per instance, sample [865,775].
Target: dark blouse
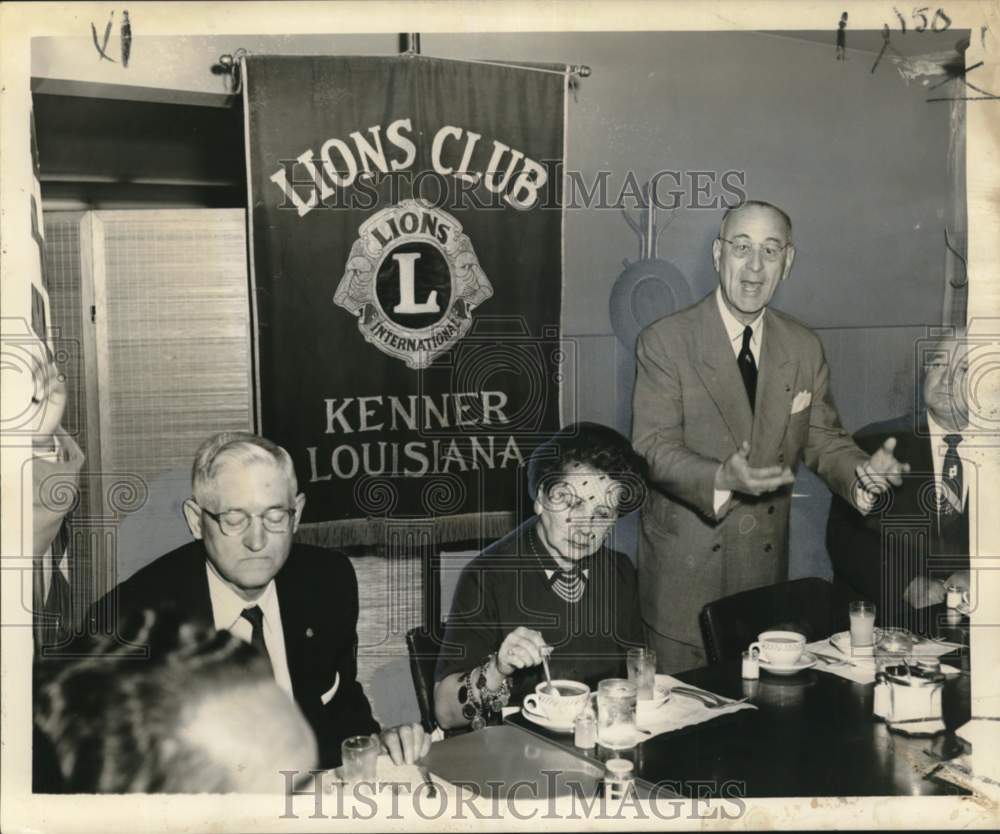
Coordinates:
[506,586]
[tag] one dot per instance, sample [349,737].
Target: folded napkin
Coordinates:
[861,669]
[680,710]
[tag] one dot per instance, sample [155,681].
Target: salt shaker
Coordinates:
[619,778]
[751,666]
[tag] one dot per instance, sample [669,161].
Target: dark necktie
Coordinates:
[748,367]
[951,477]
[58,608]
[255,617]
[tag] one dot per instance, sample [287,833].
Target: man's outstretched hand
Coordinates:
[737,475]
[882,470]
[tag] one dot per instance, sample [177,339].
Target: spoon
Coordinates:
[553,690]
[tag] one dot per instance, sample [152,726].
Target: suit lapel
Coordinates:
[774,394]
[719,373]
[299,630]
[915,449]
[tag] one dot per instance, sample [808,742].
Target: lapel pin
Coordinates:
[309,632]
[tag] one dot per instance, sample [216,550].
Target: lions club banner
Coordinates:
[406,275]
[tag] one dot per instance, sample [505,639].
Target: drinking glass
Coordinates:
[359,758]
[616,699]
[862,616]
[642,671]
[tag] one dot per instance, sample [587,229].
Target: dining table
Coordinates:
[811,734]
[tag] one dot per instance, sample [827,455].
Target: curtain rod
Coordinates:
[229,63]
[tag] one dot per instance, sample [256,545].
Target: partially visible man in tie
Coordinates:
[56,463]
[729,396]
[298,604]
[903,554]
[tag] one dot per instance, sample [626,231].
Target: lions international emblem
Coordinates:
[413,280]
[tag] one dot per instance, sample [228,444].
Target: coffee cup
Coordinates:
[956,596]
[782,648]
[563,705]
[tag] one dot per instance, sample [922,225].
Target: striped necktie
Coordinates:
[951,477]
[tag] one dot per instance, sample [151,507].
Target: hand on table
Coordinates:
[737,475]
[521,649]
[405,744]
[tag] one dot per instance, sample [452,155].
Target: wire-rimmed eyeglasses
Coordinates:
[768,251]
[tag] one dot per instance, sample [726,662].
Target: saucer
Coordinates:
[806,661]
[546,722]
[842,642]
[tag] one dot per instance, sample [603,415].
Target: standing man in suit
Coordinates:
[909,547]
[298,604]
[729,396]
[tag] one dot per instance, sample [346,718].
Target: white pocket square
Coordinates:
[327,696]
[801,401]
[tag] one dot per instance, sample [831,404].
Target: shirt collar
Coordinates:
[734,327]
[937,432]
[228,606]
[549,564]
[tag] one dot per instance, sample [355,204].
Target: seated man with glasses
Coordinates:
[296,603]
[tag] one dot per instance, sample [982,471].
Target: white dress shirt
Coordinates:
[227,611]
[734,329]
[939,449]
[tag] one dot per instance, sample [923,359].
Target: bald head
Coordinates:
[785,220]
[244,734]
[201,713]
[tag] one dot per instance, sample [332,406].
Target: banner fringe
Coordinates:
[375,531]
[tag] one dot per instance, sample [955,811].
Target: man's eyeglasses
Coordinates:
[741,249]
[235,522]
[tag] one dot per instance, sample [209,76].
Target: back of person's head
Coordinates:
[194,710]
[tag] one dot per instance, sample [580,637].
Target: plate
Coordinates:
[806,661]
[842,642]
[546,722]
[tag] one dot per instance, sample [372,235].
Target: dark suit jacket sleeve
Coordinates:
[658,428]
[854,545]
[348,712]
[854,540]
